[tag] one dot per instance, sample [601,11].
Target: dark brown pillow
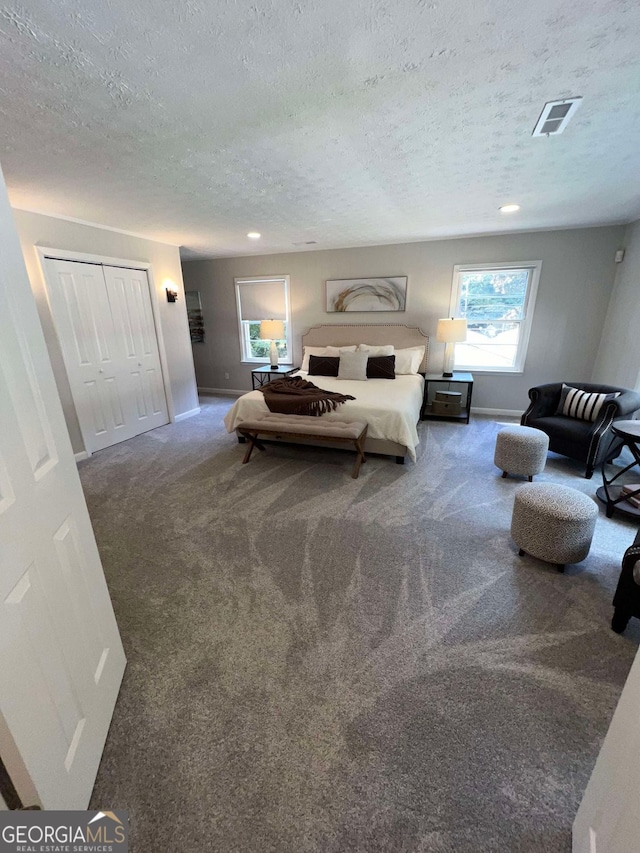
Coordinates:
[323,365]
[381,367]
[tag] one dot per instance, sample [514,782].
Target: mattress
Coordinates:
[391,407]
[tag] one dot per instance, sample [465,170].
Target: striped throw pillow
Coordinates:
[584,405]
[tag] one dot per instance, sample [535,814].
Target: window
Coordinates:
[262,299]
[497,301]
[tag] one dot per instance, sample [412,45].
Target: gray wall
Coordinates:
[575,286]
[34,229]
[618,361]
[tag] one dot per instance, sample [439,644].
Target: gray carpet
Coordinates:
[318,663]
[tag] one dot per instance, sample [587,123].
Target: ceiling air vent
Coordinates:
[306,243]
[555,117]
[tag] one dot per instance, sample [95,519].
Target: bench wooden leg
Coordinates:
[360,457]
[253,442]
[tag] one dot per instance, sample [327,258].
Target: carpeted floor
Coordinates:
[318,663]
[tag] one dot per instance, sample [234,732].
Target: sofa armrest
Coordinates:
[626,404]
[630,562]
[544,401]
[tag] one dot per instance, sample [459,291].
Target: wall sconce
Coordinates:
[172,293]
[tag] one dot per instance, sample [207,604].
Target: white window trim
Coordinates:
[244,359]
[529,308]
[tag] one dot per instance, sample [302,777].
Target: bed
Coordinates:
[390,407]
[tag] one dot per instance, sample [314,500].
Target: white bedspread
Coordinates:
[391,407]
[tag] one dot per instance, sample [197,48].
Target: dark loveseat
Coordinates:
[589,442]
[627,598]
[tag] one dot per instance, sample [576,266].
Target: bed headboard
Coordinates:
[341,335]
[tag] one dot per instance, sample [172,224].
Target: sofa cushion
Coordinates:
[558,427]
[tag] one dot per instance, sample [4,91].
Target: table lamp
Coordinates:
[272,330]
[450,332]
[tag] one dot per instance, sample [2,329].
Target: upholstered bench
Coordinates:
[305,426]
[521,450]
[553,523]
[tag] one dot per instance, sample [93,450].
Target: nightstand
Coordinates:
[447,383]
[261,375]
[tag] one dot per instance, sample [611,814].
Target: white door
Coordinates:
[608,820]
[128,292]
[61,658]
[104,322]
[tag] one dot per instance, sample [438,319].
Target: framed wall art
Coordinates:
[366,294]
[194,313]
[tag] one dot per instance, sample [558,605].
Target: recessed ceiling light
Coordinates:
[253,235]
[509,208]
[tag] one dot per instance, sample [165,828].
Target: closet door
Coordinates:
[128,292]
[84,324]
[108,339]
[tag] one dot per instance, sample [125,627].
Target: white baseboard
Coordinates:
[505,413]
[222,392]
[82,455]
[184,415]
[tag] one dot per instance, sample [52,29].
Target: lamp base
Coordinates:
[449,355]
[273,355]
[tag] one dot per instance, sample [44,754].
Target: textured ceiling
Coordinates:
[347,123]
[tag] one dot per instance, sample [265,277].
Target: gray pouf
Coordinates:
[521,450]
[554,523]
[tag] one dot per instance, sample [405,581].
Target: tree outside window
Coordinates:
[259,348]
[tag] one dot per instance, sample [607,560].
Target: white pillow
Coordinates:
[387,349]
[353,365]
[409,360]
[329,351]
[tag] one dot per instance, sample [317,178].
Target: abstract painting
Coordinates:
[367,294]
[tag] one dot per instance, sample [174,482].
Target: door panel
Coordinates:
[57,627]
[143,409]
[94,410]
[157,391]
[30,411]
[41,660]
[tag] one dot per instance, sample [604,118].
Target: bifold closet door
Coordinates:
[128,292]
[104,322]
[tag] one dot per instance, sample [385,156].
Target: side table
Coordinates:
[261,375]
[610,492]
[431,379]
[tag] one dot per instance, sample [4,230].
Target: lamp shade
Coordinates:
[272,330]
[451,330]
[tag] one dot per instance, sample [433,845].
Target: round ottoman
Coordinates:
[521,450]
[554,523]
